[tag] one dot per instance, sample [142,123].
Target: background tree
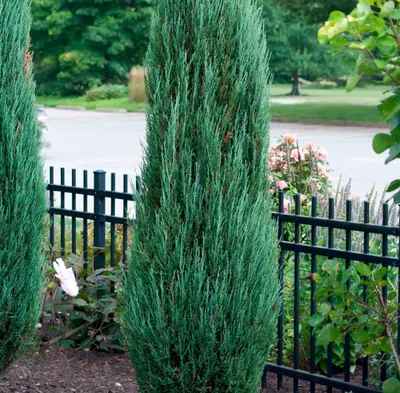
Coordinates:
[316,11]
[201,292]
[79,45]
[295,50]
[22,190]
[370,37]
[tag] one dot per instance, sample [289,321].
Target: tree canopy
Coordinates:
[316,11]
[294,47]
[80,44]
[369,36]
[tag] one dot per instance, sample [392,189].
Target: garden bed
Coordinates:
[72,371]
[69,371]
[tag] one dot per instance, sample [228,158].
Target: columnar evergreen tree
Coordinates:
[201,293]
[22,191]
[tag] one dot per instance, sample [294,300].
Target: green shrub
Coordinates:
[298,170]
[78,72]
[22,189]
[89,320]
[107,92]
[201,293]
[80,44]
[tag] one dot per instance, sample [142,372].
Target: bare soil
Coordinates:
[72,371]
[69,371]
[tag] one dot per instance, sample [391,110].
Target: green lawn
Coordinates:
[117,103]
[369,95]
[326,113]
[318,105]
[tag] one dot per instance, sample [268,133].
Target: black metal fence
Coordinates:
[90,216]
[313,240]
[96,221]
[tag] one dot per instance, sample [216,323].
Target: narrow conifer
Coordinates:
[22,190]
[201,293]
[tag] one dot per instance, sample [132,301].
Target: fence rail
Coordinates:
[97,215]
[95,219]
[313,240]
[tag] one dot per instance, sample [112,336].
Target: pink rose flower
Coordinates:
[310,146]
[303,198]
[281,184]
[289,138]
[297,155]
[274,148]
[322,155]
[322,171]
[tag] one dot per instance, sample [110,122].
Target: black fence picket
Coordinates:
[95,223]
[299,246]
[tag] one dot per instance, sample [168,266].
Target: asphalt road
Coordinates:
[113,142]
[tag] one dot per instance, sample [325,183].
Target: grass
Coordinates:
[117,103]
[369,95]
[326,113]
[317,104]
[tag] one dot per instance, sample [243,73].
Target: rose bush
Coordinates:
[298,170]
[305,171]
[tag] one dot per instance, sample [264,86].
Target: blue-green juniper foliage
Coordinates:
[201,293]
[22,187]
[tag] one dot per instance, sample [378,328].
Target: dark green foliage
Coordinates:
[81,44]
[316,11]
[22,190]
[201,293]
[295,50]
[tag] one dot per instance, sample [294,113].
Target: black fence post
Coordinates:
[99,238]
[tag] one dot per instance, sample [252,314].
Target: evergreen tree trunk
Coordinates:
[295,84]
[22,187]
[201,293]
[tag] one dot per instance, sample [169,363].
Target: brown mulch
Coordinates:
[68,371]
[72,371]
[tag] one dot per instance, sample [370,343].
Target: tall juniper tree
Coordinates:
[22,191]
[201,293]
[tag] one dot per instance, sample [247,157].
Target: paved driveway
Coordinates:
[113,142]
